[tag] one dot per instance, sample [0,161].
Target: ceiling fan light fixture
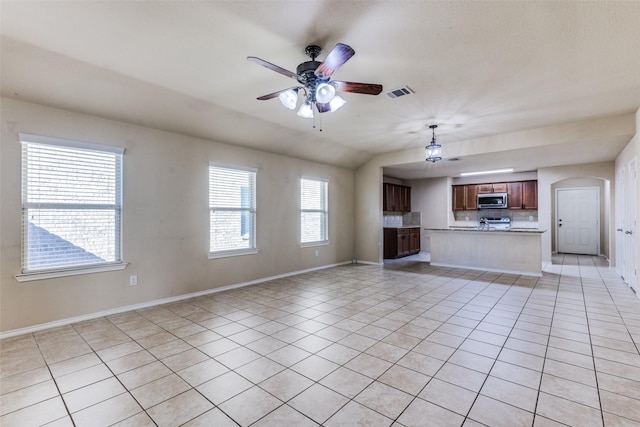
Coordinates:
[289,98]
[306,110]
[325,93]
[336,103]
[433,151]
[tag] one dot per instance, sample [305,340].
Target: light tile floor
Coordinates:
[404,345]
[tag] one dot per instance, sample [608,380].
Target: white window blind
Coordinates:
[232,209]
[314,210]
[71,204]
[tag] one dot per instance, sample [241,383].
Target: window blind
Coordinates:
[232,207]
[71,204]
[313,210]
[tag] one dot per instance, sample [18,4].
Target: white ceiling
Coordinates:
[477,68]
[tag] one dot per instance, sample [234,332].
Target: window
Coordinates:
[232,210]
[71,204]
[314,210]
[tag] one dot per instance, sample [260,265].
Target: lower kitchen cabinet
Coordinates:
[400,242]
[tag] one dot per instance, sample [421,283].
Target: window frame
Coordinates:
[324,211]
[78,269]
[253,249]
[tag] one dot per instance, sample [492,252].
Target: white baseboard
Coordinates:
[85,317]
[369,263]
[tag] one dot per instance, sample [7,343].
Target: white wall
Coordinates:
[165,218]
[631,152]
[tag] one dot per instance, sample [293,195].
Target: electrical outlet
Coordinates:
[317,252]
[133,280]
[530,217]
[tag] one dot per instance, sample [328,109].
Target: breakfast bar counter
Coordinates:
[515,251]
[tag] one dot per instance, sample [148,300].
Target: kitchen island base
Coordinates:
[509,251]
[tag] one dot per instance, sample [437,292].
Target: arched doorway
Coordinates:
[588,199]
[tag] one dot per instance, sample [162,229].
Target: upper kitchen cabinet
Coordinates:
[465,197]
[522,195]
[492,188]
[396,198]
[530,195]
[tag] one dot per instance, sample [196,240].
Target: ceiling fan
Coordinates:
[315,77]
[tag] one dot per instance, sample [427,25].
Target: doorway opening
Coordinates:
[578,220]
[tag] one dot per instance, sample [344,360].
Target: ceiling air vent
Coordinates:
[402,91]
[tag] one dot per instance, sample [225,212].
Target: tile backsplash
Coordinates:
[410,219]
[516,216]
[392,220]
[519,218]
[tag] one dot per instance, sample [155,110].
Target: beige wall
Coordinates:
[165,218]
[368,224]
[434,215]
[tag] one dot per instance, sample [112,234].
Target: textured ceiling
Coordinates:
[477,68]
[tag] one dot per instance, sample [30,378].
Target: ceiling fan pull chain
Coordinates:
[317,117]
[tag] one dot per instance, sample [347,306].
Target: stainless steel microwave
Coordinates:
[492,200]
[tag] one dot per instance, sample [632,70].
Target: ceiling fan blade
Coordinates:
[323,108]
[275,94]
[334,60]
[364,88]
[273,67]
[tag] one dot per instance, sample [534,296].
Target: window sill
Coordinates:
[237,252]
[311,244]
[42,275]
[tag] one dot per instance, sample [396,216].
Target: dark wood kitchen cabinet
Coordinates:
[465,197]
[514,195]
[414,240]
[396,198]
[530,194]
[401,242]
[500,187]
[522,195]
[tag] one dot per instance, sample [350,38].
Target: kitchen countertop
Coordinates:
[476,229]
[405,226]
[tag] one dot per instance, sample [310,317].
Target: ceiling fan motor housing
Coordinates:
[308,78]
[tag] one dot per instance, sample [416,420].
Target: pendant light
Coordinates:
[433,151]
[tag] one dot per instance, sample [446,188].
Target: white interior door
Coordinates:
[621,207]
[578,220]
[630,230]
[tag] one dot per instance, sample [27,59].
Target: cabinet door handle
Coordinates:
[618,229]
[628,232]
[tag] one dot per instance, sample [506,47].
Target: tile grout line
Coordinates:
[64,402]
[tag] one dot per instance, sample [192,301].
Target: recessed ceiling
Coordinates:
[477,68]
